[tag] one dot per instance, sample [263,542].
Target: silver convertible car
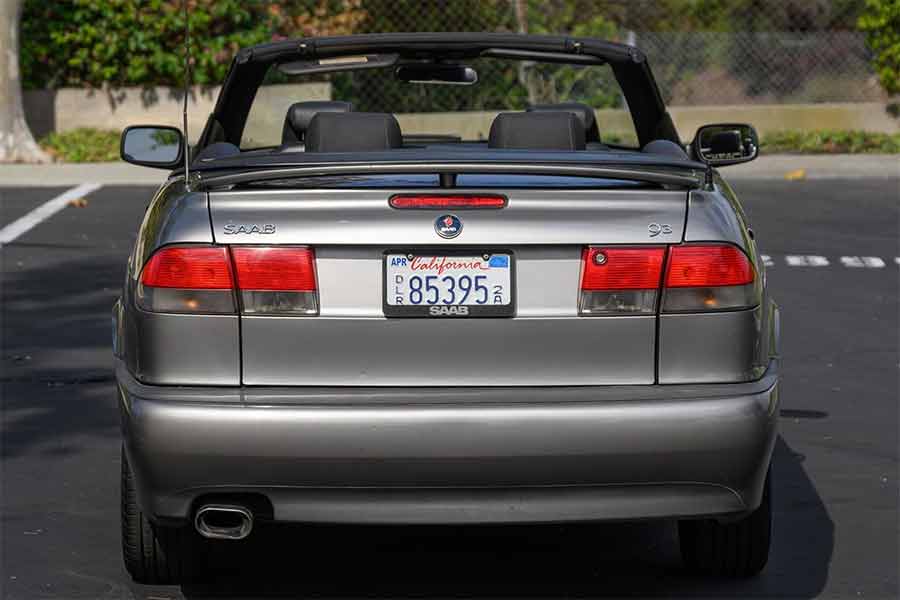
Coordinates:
[437,304]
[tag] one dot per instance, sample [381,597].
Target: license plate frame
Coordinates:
[424,310]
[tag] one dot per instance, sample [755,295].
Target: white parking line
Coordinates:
[871,262]
[44,211]
[803,260]
[813,260]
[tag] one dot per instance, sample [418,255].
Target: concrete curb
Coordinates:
[777,166]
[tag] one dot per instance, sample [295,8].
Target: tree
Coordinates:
[16,142]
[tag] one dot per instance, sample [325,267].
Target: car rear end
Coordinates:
[554,354]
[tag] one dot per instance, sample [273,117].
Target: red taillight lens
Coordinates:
[708,266]
[275,269]
[188,279]
[611,269]
[709,277]
[199,280]
[276,280]
[189,267]
[446,202]
[620,280]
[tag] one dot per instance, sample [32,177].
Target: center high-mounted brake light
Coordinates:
[448,201]
[205,280]
[622,280]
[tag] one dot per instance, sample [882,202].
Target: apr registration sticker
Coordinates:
[449,285]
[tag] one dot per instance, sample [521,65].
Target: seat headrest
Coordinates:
[298,116]
[353,132]
[665,148]
[585,114]
[537,131]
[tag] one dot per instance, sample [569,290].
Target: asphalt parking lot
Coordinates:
[834,268]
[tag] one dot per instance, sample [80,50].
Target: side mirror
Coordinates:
[157,146]
[724,144]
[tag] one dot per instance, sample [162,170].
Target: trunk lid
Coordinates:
[351,342]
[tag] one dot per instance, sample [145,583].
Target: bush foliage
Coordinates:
[141,42]
[83,145]
[881,22]
[830,142]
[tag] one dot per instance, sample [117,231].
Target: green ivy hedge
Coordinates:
[135,42]
[881,22]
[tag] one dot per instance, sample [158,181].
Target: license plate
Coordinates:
[449,285]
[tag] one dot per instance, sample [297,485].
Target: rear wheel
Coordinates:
[738,549]
[153,554]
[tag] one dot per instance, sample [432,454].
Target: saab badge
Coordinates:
[448,226]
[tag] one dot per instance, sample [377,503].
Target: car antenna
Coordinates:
[187,83]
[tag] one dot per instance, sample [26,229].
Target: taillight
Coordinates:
[203,280]
[708,277]
[188,279]
[276,280]
[448,201]
[620,280]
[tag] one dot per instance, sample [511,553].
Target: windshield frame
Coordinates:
[629,66]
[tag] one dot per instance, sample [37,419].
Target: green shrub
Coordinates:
[830,142]
[881,22]
[83,145]
[135,42]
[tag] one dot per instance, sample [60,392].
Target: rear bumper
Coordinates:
[464,455]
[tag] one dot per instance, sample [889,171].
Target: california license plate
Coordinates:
[449,285]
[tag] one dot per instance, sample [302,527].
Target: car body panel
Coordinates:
[547,415]
[322,447]
[532,217]
[503,352]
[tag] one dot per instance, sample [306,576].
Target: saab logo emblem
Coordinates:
[448,226]
[448,311]
[235,228]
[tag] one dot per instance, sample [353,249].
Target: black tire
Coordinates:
[154,554]
[738,549]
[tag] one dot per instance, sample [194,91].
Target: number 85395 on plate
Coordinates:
[448,285]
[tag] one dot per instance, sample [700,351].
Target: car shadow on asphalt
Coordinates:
[619,559]
[56,364]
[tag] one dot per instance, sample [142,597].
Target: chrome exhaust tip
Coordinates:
[223,521]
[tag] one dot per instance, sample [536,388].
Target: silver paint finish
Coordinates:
[448,352]
[378,421]
[307,456]
[183,349]
[350,281]
[548,504]
[709,348]
[533,217]
[172,217]
[712,218]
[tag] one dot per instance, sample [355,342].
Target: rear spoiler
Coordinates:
[689,178]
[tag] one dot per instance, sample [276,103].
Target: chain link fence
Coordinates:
[754,64]
[704,68]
